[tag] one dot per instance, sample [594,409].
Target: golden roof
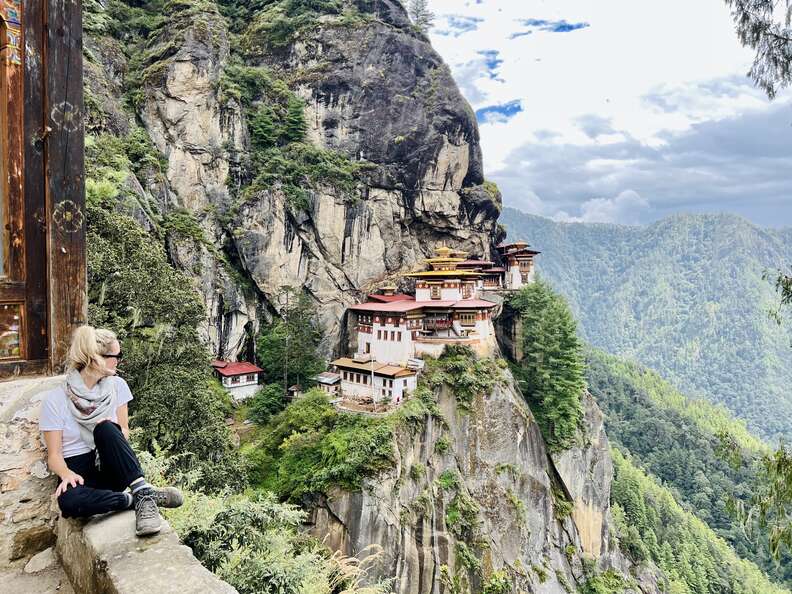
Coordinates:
[446,273]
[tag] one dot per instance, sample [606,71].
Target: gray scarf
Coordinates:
[88,407]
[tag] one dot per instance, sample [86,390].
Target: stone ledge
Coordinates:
[103,556]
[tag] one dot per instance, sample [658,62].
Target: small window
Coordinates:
[346,375]
[393,335]
[235,379]
[435,291]
[399,337]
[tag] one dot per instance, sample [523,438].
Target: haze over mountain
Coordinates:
[685,296]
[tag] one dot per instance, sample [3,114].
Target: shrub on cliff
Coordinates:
[551,372]
[310,447]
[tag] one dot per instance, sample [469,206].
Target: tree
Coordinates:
[267,402]
[551,372]
[759,28]
[295,126]
[287,348]
[155,310]
[421,16]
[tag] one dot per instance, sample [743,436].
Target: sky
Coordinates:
[619,111]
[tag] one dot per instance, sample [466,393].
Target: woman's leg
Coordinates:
[119,464]
[83,502]
[94,496]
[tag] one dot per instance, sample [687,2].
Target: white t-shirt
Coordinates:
[55,416]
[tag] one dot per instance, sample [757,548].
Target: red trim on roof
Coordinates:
[226,368]
[390,298]
[475,263]
[405,306]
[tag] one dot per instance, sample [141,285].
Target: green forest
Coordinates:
[687,446]
[685,296]
[675,486]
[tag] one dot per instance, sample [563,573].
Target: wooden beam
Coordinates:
[35,186]
[11,81]
[65,174]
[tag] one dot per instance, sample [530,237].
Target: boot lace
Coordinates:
[146,507]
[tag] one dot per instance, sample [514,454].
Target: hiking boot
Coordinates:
[168,497]
[147,518]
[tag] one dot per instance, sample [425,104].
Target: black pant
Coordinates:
[102,491]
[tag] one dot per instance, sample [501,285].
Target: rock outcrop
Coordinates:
[374,92]
[488,500]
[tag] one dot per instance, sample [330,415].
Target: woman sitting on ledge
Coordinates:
[86,426]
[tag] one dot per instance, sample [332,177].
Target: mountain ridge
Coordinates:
[684,296]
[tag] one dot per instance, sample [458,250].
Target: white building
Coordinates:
[239,378]
[519,262]
[328,382]
[374,381]
[446,309]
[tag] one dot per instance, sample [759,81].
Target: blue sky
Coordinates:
[623,111]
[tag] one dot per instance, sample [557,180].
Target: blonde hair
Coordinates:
[87,346]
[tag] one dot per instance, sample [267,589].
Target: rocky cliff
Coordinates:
[475,502]
[376,100]
[324,145]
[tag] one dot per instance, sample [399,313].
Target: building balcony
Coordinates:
[438,324]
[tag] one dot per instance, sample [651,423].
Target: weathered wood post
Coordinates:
[43,287]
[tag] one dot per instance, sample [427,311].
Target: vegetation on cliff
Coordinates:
[155,310]
[551,371]
[311,447]
[287,347]
[688,446]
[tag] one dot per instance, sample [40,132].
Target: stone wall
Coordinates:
[27,516]
[102,556]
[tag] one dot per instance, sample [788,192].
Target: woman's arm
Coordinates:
[56,463]
[123,419]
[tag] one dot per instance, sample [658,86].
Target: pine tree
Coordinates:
[421,16]
[551,372]
[287,348]
[295,127]
[759,29]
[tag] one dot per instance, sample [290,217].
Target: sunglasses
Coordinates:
[118,357]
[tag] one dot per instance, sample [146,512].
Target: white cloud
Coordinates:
[647,69]
[628,208]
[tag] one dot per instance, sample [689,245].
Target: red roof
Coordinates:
[405,306]
[398,306]
[390,298]
[227,368]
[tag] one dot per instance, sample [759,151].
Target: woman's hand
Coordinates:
[69,478]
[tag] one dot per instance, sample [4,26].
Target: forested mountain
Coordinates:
[686,297]
[681,443]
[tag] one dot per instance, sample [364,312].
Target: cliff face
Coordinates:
[473,498]
[489,502]
[374,92]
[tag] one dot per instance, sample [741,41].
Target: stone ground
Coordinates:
[50,581]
